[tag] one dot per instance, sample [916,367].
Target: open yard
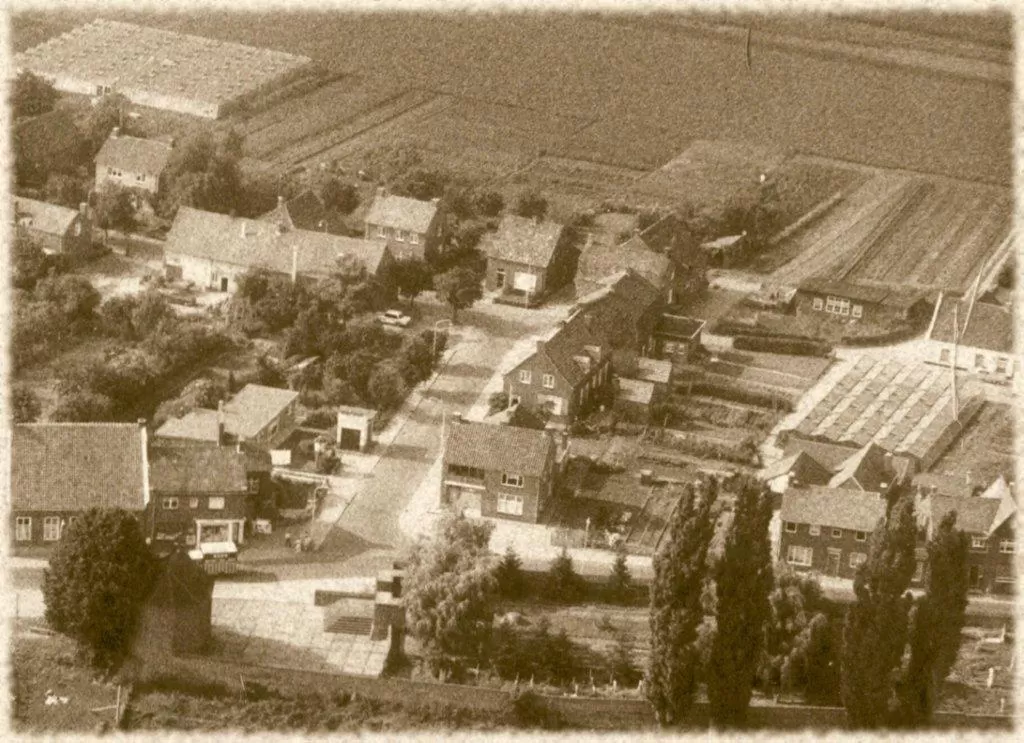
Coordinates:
[985,450]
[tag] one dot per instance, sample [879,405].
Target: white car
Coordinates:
[394,317]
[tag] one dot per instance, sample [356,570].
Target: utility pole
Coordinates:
[952,367]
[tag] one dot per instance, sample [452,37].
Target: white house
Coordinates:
[985,345]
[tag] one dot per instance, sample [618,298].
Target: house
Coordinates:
[176,617]
[989,521]
[984,345]
[834,457]
[633,399]
[57,230]
[849,300]
[622,310]
[497,471]
[676,337]
[927,483]
[213,250]
[200,494]
[526,259]
[868,469]
[794,470]
[826,530]
[132,162]
[600,259]
[564,372]
[59,470]
[871,469]
[409,227]
[257,415]
[307,211]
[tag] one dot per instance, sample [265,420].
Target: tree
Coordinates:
[110,111]
[386,386]
[100,573]
[875,634]
[25,406]
[620,582]
[32,95]
[459,288]
[268,373]
[115,208]
[75,298]
[511,583]
[680,566]
[66,190]
[450,593]
[527,416]
[342,197]
[204,173]
[532,205]
[936,623]
[30,262]
[743,580]
[563,584]
[411,276]
[489,203]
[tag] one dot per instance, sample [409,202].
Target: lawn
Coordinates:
[965,688]
[985,450]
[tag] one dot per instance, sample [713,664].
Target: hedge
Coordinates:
[898,335]
[737,393]
[724,327]
[790,346]
[716,415]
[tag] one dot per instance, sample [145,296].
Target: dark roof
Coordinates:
[249,242]
[676,326]
[181,582]
[901,298]
[567,344]
[973,515]
[802,466]
[830,456]
[617,304]
[197,469]
[989,326]
[43,216]
[489,447]
[76,466]
[866,469]
[599,260]
[134,155]
[957,487]
[833,507]
[522,240]
[307,211]
[402,213]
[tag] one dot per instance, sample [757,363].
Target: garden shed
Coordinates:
[355,427]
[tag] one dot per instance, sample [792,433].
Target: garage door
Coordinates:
[350,438]
[525,282]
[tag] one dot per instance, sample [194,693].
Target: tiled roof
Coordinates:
[956,487]
[505,448]
[43,216]
[833,507]
[847,289]
[196,425]
[523,240]
[653,370]
[134,155]
[599,260]
[866,469]
[76,466]
[830,456]
[804,468]
[250,243]
[989,327]
[566,343]
[254,407]
[973,515]
[617,304]
[197,469]
[401,212]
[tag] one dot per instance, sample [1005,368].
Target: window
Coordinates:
[512,481]
[110,170]
[254,484]
[791,527]
[499,278]
[837,306]
[169,504]
[1004,574]
[1002,364]
[861,536]
[51,528]
[944,356]
[510,504]
[858,310]
[414,238]
[814,530]
[23,529]
[548,380]
[918,572]
[78,228]
[979,360]
[797,555]
[400,235]
[857,558]
[215,503]
[837,533]
[818,303]
[193,503]
[1007,547]
[525,376]
[473,473]
[381,232]
[669,347]
[140,178]
[979,544]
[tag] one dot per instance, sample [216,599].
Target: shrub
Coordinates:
[509,575]
[526,710]
[321,418]
[897,335]
[738,393]
[563,584]
[781,345]
[497,402]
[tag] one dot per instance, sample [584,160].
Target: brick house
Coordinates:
[132,162]
[307,211]
[869,468]
[985,340]
[623,311]
[564,372]
[526,259]
[497,471]
[988,520]
[213,250]
[851,301]
[600,259]
[200,494]
[409,227]
[56,229]
[793,470]
[59,470]
[826,530]
[676,337]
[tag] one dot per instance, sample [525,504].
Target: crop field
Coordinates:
[574,185]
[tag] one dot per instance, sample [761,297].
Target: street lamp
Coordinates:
[433,343]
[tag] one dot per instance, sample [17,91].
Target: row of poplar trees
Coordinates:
[896,650]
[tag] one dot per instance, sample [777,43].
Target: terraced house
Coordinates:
[410,228]
[497,471]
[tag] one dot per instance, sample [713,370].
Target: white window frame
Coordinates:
[510,504]
[979,544]
[945,356]
[548,381]
[193,503]
[525,376]
[511,480]
[400,235]
[1007,547]
[800,555]
[215,503]
[169,503]
[23,529]
[857,311]
[857,559]
[791,527]
[979,361]
[818,303]
[414,237]
[51,528]
[814,530]
[1002,365]
[837,533]
[381,232]
[861,536]
[254,484]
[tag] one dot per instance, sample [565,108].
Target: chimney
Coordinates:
[221,437]
[295,263]
[244,229]
[115,132]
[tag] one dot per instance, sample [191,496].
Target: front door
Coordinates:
[499,279]
[833,562]
[223,283]
[974,577]
[350,439]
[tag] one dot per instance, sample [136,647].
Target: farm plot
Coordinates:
[573,185]
[625,141]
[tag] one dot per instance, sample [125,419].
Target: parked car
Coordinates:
[394,317]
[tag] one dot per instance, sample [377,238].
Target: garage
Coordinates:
[355,428]
[525,282]
[350,438]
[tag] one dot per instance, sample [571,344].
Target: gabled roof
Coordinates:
[973,515]
[830,456]
[956,487]
[989,326]
[197,469]
[599,260]
[134,154]
[306,211]
[569,341]
[42,216]
[522,240]
[250,243]
[802,466]
[254,407]
[196,425]
[865,470]
[833,507]
[401,212]
[998,489]
[617,304]
[505,448]
[68,467]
